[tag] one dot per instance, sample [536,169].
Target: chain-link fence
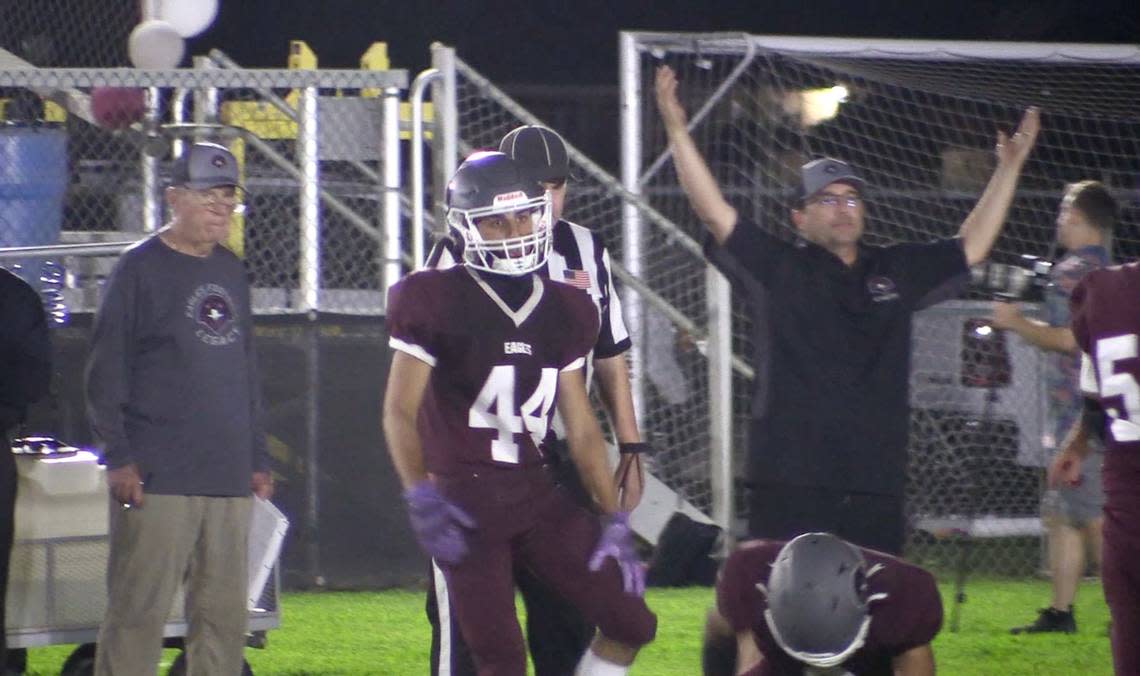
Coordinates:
[68,33]
[321,227]
[919,121]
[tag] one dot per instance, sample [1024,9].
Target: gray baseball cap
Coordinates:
[540,151]
[205,165]
[822,172]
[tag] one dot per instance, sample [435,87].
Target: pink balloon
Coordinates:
[117,107]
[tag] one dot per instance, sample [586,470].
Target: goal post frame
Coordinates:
[643,163]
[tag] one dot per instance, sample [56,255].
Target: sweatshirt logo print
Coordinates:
[882,289]
[212,309]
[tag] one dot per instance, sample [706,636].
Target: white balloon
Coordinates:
[155,44]
[189,17]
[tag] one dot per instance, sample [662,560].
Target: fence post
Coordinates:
[633,231]
[719,299]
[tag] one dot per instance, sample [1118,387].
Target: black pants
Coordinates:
[556,633]
[8,481]
[865,519]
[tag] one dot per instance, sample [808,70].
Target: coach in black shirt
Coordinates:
[828,443]
[25,375]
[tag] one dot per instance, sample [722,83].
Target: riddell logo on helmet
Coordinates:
[510,198]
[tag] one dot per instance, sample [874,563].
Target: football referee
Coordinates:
[556,633]
[828,442]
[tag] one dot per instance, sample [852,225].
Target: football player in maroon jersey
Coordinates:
[483,353]
[1106,324]
[818,605]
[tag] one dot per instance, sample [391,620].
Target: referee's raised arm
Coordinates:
[693,172]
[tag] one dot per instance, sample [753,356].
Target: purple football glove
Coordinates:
[437,523]
[617,543]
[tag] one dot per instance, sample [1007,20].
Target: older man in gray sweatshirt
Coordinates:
[172,392]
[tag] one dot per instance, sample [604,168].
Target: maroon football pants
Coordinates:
[523,519]
[1120,576]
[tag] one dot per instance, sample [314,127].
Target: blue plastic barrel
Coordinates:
[33,180]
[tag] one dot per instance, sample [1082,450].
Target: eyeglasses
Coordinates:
[831,201]
[228,197]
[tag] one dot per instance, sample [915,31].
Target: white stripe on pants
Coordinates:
[443,609]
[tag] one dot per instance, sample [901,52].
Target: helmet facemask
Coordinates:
[512,255]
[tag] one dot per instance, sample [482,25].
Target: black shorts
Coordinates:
[865,519]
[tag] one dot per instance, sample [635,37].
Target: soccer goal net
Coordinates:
[919,121]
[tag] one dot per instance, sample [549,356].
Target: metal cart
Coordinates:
[57,583]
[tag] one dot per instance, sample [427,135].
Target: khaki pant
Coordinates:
[153,549]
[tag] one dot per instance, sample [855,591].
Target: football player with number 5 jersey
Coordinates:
[484,354]
[1106,324]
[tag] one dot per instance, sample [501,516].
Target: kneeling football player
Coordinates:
[820,606]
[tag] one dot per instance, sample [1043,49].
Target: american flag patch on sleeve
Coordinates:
[577,278]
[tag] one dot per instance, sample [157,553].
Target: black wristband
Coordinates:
[635,447]
[1095,419]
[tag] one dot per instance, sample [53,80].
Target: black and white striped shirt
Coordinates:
[577,257]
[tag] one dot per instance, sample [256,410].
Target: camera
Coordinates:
[985,358]
[1024,280]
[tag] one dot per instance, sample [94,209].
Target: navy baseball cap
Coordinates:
[540,151]
[820,173]
[205,165]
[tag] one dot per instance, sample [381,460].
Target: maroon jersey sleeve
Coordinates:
[408,321]
[580,321]
[1105,304]
[911,613]
[1106,324]
[738,598]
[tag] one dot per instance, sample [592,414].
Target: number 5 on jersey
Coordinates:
[1109,351]
[495,409]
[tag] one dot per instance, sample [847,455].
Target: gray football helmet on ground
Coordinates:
[818,599]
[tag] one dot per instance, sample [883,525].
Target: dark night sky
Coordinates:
[576,42]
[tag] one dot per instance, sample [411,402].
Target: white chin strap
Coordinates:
[515,266]
[516,256]
[820,659]
[825,671]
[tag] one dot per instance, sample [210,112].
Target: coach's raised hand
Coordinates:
[672,114]
[983,224]
[437,523]
[693,173]
[1014,149]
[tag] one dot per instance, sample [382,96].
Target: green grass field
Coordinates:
[386,634]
